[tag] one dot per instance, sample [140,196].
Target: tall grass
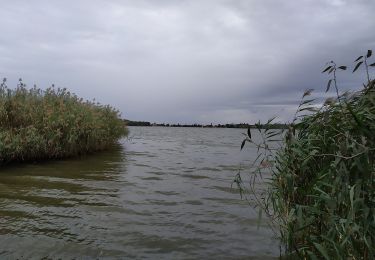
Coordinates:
[40,124]
[321,194]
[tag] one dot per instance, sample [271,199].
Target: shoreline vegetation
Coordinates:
[320,197]
[241,125]
[40,124]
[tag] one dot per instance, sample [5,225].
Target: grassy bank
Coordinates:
[40,124]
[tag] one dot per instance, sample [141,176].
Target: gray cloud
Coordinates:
[185,61]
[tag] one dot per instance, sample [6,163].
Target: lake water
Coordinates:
[162,193]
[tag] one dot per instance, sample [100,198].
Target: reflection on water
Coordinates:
[163,193]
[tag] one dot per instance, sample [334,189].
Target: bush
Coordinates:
[52,124]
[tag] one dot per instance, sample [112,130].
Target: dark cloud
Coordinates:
[186,61]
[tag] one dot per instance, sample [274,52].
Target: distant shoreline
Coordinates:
[241,125]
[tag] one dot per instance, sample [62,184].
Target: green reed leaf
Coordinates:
[357,66]
[369,53]
[360,57]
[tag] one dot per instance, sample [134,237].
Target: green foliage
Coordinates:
[51,124]
[321,193]
[323,189]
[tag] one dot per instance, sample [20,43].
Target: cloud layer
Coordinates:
[185,61]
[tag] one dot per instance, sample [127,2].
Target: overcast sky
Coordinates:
[205,61]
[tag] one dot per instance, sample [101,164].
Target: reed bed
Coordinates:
[323,188]
[321,194]
[40,124]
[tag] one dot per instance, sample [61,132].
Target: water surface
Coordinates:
[162,193]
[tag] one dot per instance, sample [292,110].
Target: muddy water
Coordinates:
[162,193]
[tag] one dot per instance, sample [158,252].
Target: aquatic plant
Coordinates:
[321,193]
[40,124]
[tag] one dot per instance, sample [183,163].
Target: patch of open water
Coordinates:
[163,193]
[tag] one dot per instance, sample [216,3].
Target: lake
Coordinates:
[162,193]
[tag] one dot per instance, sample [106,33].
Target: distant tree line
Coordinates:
[136,123]
[241,125]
